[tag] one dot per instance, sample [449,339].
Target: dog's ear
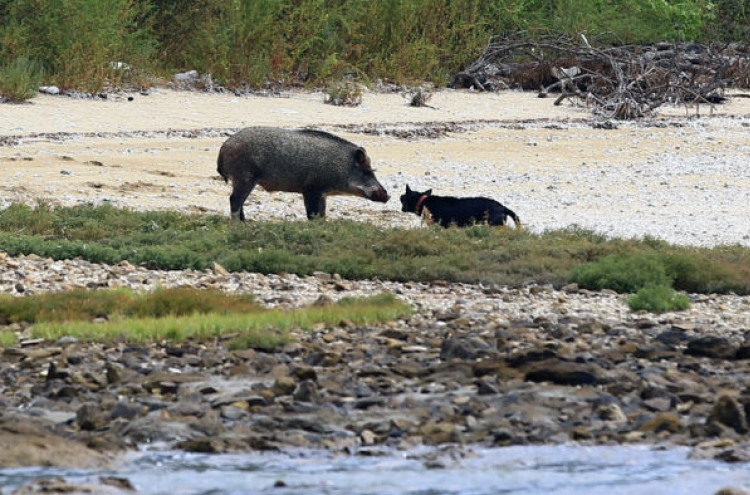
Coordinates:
[428,192]
[408,189]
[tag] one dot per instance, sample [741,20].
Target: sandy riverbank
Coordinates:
[677,178]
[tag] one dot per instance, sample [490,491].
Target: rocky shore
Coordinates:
[473,365]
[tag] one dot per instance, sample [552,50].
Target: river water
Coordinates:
[549,470]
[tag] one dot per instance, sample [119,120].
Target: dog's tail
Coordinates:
[516,220]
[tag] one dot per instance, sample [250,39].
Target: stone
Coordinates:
[729,412]
[663,422]
[307,391]
[712,347]
[564,373]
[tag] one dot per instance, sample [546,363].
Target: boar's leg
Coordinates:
[315,203]
[240,192]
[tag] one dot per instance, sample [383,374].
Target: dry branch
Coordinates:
[616,81]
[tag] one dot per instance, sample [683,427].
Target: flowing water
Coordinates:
[551,470]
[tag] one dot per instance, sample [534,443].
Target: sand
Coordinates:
[678,177]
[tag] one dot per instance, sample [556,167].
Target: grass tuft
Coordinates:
[180,314]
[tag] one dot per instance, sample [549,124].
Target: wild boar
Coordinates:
[314,163]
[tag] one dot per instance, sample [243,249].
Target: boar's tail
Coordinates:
[220,167]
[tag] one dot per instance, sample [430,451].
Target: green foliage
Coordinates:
[358,250]
[658,299]
[20,79]
[694,272]
[92,44]
[729,20]
[624,273]
[632,21]
[82,44]
[721,269]
[7,339]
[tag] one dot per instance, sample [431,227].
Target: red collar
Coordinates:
[419,203]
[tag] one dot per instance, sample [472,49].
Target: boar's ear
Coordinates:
[362,159]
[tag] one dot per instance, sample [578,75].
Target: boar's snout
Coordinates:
[380,195]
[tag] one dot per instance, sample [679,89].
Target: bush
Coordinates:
[624,273]
[658,299]
[345,93]
[20,80]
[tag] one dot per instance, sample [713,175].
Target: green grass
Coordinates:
[177,315]
[357,250]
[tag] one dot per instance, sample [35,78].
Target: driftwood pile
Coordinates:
[616,81]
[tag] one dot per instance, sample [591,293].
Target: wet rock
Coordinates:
[33,442]
[307,391]
[712,347]
[728,412]
[743,352]
[658,404]
[436,433]
[157,428]
[734,455]
[732,491]
[60,485]
[284,385]
[463,347]
[503,437]
[531,356]
[117,482]
[663,422]
[91,417]
[565,373]
[203,445]
[608,409]
[485,387]
[304,373]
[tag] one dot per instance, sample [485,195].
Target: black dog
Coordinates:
[447,210]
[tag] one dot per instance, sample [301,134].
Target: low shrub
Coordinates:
[345,93]
[658,299]
[20,80]
[624,273]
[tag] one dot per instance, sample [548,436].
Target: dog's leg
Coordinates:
[427,216]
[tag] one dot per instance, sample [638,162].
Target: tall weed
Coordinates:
[85,44]
[20,80]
